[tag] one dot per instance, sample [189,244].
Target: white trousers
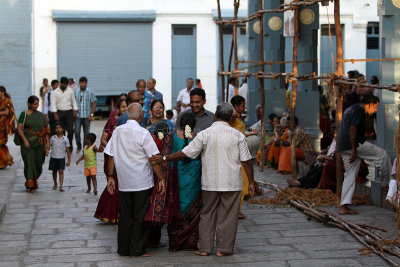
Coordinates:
[392,194]
[366,151]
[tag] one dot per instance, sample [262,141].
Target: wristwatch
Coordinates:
[91,115]
[164,158]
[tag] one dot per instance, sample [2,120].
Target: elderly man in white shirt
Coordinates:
[223,150]
[130,148]
[64,107]
[183,100]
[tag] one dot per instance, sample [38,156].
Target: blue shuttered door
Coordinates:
[183,57]
[326,51]
[16,51]
[112,55]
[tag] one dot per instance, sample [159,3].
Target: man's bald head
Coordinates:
[135,112]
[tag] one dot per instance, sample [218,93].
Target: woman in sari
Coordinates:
[34,133]
[183,231]
[157,115]
[108,206]
[280,136]
[7,126]
[239,106]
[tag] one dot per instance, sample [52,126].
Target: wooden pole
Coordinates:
[229,70]
[339,107]
[294,94]
[221,53]
[262,69]
[237,4]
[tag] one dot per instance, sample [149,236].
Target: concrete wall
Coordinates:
[168,12]
[355,15]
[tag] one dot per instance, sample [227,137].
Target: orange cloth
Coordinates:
[274,151]
[90,171]
[285,164]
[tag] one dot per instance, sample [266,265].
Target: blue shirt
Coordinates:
[84,101]
[122,119]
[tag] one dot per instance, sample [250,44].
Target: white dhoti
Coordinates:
[366,151]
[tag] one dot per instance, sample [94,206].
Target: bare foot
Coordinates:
[95,192]
[292,182]
[199,253]
[61,189]
[345,210]
[78,151]
[144,255]
[55,187]
[242,216]
[221,254]
[87,191]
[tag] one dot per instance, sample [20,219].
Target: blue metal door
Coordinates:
[326,50]
[242,51]
[372,49]
[183,57]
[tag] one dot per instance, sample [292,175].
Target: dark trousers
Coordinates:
[52,121]
[132,231]
[85,123]
[312,178]
[67,119]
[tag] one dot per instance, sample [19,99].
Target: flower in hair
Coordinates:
[188,132]
[160,135]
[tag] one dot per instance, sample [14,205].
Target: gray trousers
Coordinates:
[219,216]
[366,151]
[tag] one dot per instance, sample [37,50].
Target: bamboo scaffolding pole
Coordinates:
[339,107]
[294,94]
[229,70]
[221,52]
[236,5]
[262,69]
[280,9]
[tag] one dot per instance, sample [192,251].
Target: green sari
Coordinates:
[35,129]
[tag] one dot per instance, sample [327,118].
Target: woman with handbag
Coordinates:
[34,133]
[7,126]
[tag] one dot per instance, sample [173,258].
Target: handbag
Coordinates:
[17,138]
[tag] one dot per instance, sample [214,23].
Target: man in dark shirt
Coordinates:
[204,118]
[353,148]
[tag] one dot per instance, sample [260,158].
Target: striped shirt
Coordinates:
[222,149]
[84,100]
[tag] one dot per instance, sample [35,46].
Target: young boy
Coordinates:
[59,144]
[89,155]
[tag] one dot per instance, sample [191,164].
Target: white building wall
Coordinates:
[168,12]
[355,15]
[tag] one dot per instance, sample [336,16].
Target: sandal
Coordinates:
[61,189]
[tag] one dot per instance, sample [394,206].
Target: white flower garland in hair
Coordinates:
[160,135]
[188,132]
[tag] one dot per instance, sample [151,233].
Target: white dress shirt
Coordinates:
[184,97]
[132,146]
[46,106]
[231,92]
[63,100]
[243,91]
[222,149]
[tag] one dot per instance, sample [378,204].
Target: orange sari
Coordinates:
[7,126]
[275,151]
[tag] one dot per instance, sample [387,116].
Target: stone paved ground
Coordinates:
[50,228]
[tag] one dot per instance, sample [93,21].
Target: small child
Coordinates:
[89,155]
[59,144]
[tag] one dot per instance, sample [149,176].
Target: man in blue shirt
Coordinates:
[134,96]
[353,148]
[86,101]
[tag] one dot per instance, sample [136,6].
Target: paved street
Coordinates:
[51,228]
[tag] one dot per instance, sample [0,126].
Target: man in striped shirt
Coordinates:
[86,101]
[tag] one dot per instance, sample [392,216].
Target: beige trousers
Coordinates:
[219,216]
